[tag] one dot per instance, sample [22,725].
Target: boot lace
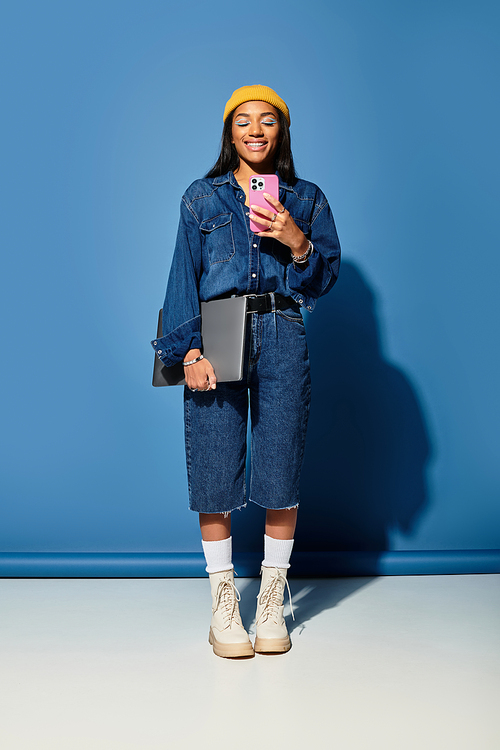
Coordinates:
[271,598]
[226,599]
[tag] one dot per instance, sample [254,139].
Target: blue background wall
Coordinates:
[110,110]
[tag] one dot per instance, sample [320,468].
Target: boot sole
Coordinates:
[230,650]
[272,645]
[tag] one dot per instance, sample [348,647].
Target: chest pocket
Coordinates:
[218,238]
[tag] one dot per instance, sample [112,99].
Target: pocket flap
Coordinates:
[215,223]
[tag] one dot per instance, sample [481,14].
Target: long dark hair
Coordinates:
[229,159]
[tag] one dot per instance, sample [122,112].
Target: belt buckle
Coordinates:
[265,306]
[250,296]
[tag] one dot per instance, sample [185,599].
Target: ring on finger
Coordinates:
[273,218]
[282,210]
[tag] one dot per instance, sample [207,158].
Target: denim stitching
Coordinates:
[187,417]
[304,433]
[230,222]
[199,197]
[191,211]
[302,197]
[205,221]
[182,324]
[302,221]
[318,211]
[250,236]
[297,319]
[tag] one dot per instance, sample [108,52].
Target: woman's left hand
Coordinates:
[279,225]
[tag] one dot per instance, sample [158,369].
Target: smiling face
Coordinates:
[255,134]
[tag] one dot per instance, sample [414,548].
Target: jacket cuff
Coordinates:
[306,282]
[173,347]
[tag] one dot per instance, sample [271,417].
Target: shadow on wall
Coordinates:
[367,444]
[367,447]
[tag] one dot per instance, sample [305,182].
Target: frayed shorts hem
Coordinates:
[268,507]
[224,513]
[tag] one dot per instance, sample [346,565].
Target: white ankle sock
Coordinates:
[218,555]
[277,552]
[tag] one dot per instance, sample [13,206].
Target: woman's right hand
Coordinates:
[201,375]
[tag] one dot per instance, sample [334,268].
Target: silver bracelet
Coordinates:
[192,361]
[305,256]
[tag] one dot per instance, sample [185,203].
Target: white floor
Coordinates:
[392,662]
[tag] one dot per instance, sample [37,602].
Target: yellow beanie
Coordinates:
[256,93]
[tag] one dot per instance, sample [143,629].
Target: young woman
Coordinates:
[285,268]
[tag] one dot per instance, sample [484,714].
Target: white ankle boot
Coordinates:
[271,633]
[227,634]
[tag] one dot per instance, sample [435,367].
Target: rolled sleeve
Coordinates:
[306,283]
[172,348]
[181,309]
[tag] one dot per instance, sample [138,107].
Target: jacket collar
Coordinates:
[229,177]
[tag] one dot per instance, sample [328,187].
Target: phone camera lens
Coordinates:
[254,187]
[261,184]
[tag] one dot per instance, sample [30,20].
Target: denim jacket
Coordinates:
[217,255]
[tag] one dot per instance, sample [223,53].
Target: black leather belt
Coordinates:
[263,303]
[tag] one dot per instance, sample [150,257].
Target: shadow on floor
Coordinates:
[310,597]
[313,596]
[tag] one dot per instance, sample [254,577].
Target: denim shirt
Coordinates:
[217,255]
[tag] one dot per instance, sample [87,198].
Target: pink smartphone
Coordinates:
[262,183]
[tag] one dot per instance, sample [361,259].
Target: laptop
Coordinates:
[223,325]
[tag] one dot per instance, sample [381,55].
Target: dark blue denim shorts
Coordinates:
[276,385]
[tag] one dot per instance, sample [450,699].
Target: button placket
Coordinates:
[253,266]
